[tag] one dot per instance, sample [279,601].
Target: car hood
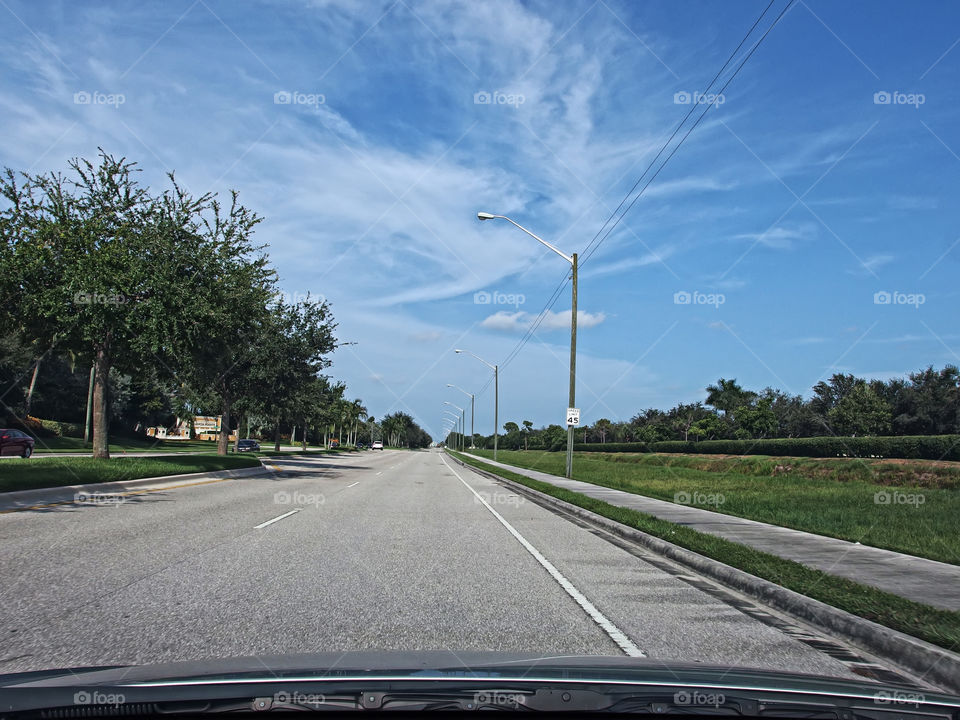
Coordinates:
[479,666]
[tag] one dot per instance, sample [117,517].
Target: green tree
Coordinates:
[757,420]
[287,355]
[602,426]
[726,396]
[102,266]
[861,412]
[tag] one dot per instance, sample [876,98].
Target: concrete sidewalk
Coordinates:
[925,581]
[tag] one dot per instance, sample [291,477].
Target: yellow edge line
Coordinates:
[127,494]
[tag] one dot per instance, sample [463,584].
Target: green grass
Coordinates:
[807,497]
[44,472]
[940,627]
[73,445]
[913,473]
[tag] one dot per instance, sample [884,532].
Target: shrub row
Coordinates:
[925,447]
[48,428]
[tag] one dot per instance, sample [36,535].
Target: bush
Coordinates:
[43,428]
[924,447]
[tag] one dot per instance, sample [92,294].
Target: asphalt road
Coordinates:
[383,550]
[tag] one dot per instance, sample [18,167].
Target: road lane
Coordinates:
[392,550]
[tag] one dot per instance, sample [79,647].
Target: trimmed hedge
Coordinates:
[43,428]
[920,447]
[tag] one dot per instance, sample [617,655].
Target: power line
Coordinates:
[594,242]
[677,129]
[530,331]
[692,127]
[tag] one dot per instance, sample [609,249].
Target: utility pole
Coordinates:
[573,366]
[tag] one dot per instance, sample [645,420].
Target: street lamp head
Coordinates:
[485,216]
[458,351]
[449,385]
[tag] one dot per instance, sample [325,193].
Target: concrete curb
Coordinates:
[23,499]
[930,662]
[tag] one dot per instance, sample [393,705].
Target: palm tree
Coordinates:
[358,411]
[602,426]
[727,396]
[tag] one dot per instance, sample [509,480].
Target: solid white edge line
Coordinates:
[615,633]
[276,519]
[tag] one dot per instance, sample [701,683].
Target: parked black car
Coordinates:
[15,442]
[247,446]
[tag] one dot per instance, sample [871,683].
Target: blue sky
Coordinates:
[798,198]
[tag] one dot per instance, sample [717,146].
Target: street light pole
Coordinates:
[456,420]
[496,397]
[496,409]
[573,364]
[462,423]
[471,410]
[572,259]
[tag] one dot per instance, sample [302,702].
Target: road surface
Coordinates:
[384,550]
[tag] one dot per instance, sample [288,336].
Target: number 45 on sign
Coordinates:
[573,416]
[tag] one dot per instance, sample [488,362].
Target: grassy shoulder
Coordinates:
[940,627]
[844,501]
[933,474]
[119,445]
[45,472]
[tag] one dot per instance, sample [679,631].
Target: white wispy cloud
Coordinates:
[871,264]
[612,267]
[781,237]
[521,320]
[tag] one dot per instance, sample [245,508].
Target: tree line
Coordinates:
[926,402]
[169,304]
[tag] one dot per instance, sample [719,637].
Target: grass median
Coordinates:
[844,499]
[118,445]
[45,472]
[940,627]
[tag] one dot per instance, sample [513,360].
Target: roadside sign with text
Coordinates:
[573,416]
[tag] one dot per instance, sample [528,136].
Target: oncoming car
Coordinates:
[247,446]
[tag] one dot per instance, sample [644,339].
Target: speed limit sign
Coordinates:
[573,416]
